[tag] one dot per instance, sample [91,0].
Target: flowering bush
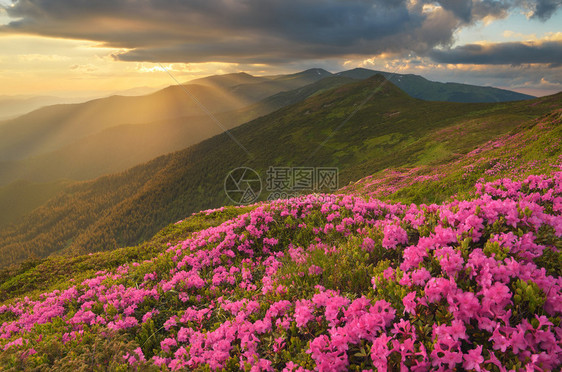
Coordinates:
[299,285]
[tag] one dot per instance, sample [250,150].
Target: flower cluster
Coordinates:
[299,285]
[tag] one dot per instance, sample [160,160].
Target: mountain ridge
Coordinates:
[48,128]
[419,87]
[120,147]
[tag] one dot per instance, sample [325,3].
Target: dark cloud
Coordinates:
[514,53]
[544,9]
[490,8]
[257,31]
[461,8]
[524,78]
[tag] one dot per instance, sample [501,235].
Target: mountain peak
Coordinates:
[315,71]
[312,72]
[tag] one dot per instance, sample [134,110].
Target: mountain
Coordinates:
[253,88]
[12,107]
[137,91]
[121,147]
[290,97]
[307,76]
[52,127]
[111,150]
[419,87]
[287,98]
[272,85]
[361,128]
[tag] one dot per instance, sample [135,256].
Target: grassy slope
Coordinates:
[449,166]
[125,209]
[526,143]
[407,185]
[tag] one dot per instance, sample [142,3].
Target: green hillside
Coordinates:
[128,208]
[441,165]
[515,154]
[21,197]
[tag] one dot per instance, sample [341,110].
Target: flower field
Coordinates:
[322,282]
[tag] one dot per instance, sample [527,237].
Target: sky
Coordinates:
[92,47]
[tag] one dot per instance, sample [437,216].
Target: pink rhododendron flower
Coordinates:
[473,359]
[394,235]
[410,303]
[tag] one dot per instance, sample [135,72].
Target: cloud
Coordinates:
[491,9]
[257,31]
[86,68]
[461,8]
[512,53]
[508,34]
[544,9]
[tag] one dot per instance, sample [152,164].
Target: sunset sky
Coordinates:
[89,47]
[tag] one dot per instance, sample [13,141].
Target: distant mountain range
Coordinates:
[419,87]
[389,129]
[34,146]
[84,141]
[14,106]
